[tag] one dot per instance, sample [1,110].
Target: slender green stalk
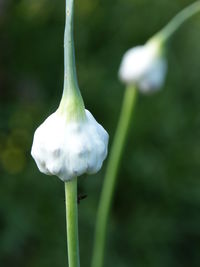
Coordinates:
[111,175]
[72,222]
[119,142]
[178,20]
[70,76]
[71,99]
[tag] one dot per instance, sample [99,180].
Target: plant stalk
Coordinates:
[72,222]
[111,175]
[119,142]
[71,98]
[178,20]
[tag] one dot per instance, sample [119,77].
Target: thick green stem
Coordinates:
[70,77]
[71,100]
[72,222]
[178,20]
[111,176]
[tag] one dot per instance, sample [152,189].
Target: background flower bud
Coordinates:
[144,66]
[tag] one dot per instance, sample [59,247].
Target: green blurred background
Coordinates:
[155,220]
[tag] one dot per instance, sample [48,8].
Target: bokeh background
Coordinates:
[155,220]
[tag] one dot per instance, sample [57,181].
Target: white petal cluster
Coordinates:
[69,148]
[144,66]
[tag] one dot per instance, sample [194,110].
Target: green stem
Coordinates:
[71,100]
[70,76]
[111,176]
[119,142]
[178,20]
[72,222]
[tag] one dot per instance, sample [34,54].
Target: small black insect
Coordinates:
[80,197]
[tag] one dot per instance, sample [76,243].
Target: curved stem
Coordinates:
[178,20]
[72,222]
[111,176]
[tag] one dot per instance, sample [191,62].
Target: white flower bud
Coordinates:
[69,148]
[144,66]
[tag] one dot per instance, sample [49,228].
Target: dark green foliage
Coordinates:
[155,219]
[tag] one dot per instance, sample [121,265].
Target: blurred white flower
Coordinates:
[69,148]
[144,66]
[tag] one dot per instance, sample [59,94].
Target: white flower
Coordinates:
[144,66]
[69,148]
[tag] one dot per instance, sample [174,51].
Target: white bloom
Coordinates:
[144,66]
[69,148]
